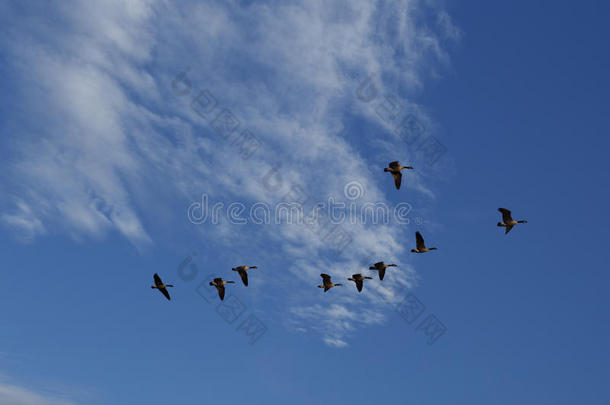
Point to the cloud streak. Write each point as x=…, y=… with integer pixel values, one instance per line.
x=16, y=395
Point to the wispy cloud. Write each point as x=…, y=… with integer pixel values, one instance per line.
x=17, y=395
x=24, y=221
x=101, y=134
x=449, y=30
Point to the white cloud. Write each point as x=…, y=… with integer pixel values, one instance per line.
x=24, y=221
x=335, y=342
x=103, y=135
x=448, y=28
x=15, y=395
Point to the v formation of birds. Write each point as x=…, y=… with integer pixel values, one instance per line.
x=420, y=247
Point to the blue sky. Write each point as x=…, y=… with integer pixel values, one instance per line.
x=102, y=158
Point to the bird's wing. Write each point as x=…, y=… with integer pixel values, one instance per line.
x=217, y=280
x=419, y=241
x=381, y=274
x=221, y=291
x=165, y=292
x=325, y=278
x=378, y=264
x=326, y=287
x=393, y=165
x=397, y=179
x=506, y=215
x=158, y=281
x=359, y=284
x=244, y=277
x=508, y=228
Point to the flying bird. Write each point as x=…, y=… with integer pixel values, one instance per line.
x=219, y=283
x=242, y=272
x=421, y=246
x=508, y=221
x=160, y=286
x=380, y=267
x=359, y=279
x=395, y=169
x=326, y=283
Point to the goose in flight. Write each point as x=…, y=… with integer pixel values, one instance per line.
x=359, y=279
x=380, y=267
x=219, y=283
x=395, y=169
x=160, y=286
x=421, y=246
x=508, y=221
x=242, y=272
x=326, y=283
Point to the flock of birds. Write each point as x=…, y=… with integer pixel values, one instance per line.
x=420, y=247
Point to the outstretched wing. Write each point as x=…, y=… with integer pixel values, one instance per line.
x=325, y=278
x=378, y=265
x=221, y=291
x=419, y=241
x=393, y=165
x=244, y=277
x=397, y=179
x=165, y=292
x=508, y=228
x=326, y=287
x=381, y=273
x=359, y=284
x=506, y=215
x=217, y=280
x=158, y=281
